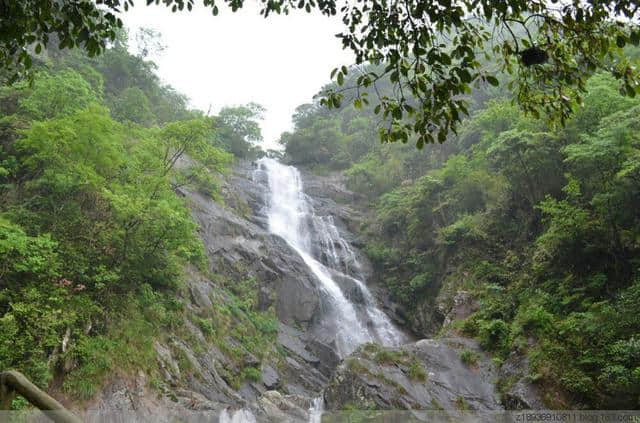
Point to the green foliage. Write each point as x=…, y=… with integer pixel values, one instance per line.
x=386, y=356
x=470, y=358
x=26, y=257
x=133, y=105
x=238, y=129
x=416, y=371
x=251, y=373
x=494, y=335
x=241, y=331
x=93, y=236
x=57, y=94
x=206, y=326
x=467, y=229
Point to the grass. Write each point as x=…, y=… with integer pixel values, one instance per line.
x=436, y=405
x=469, y=358
x=252, y=373
x=206, y=326
x=386, y=356
x=248, y=333
x=461, y=404
x=355, y=365
x=127, y=345
x=416, y=371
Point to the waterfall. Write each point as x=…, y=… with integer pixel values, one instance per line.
x=316, y=410
x=237, y=416
x=328, y=256
x=317, y=239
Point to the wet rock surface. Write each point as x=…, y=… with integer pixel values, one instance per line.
x=236, y=246
x=520, y=393
x=428, y=374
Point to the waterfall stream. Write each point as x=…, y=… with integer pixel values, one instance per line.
x=291, y=216
x=328, y=256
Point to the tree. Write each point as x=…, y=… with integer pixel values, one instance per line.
x=431, y=51
x=133, y=105
x=59, y=94
x=238, y=128
x=530, y=160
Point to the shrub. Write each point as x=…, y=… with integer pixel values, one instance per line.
x=494, y=335
x=416, y=370
x=252, y=373
x=206, y=326
x=535, y=319
x=470, y=358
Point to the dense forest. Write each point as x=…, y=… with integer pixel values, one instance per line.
x=94, y=236
x=539, y=224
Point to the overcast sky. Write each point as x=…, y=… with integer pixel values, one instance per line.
x=235, y=58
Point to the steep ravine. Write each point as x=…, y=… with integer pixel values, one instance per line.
x=309, y=367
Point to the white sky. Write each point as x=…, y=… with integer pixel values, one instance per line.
x=235, y=58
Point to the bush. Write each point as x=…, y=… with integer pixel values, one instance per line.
x=470, y=358
x=465, y=230
x=206, y=326
x=252, y=373
x=416, y=370
x=494, y=335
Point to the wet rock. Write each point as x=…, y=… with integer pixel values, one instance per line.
x=292, y=339
x=265, y=299
x=349, y=287
x=330, y=196
x=167, y=364
x=300, y=372
x=462, y=306
x=425, y=375
x=270, y=377
x=520, y=393
x=127, y=399
x=236, y=246
x=328, y=358
x=280, y=408
x=200, y=289
x=239, y=245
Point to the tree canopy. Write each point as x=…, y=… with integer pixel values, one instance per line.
x=433, y=52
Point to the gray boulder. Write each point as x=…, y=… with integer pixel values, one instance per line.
x=519, y=392
x=426, y=375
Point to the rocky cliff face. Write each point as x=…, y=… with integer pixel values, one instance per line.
x=197, y=369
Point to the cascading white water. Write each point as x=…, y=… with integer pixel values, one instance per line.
x=291, y=216
x=316, y=410
x=237, y=416
x=287, y=212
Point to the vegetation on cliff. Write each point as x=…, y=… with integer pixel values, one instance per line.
x=94, y=236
